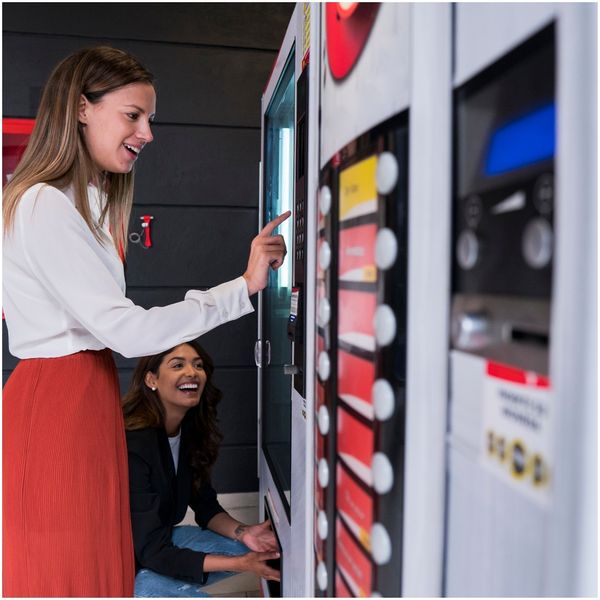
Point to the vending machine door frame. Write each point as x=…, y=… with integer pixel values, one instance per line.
x=293, y=529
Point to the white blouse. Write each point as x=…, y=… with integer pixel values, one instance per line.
x=65, y=292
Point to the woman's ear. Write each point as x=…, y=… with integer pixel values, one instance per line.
x=150, y=380
x=83, y=107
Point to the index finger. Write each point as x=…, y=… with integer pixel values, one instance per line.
x=272, y=225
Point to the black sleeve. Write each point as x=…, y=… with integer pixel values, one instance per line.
x=205, y=505
x=151, y=538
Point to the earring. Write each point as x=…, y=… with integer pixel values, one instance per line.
x=153, y=388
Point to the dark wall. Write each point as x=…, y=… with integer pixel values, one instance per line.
x=199, y=178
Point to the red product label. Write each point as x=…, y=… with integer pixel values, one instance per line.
x=355, y=443
x=357, y=253
x=15, y=137
x=320, y=272
x=319, y=492
x=319, y=543
x=356, y=313
x=509, y=373
x=320, y=445
x=341, y=591
x=352, y=562
x=355, y=382
x=320, y=344
x=355, y=506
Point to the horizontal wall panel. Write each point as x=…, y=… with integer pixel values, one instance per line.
x=210, y=86
x=224, y=24
x=237, y=409
x=200, y=166
x=235, y=470
x=191, y=247
x=8, y=360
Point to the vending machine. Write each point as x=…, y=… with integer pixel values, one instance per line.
x=284, y=350
x=522, y=438
x=361, y=296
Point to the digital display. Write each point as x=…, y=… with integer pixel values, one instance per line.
x=524, y=141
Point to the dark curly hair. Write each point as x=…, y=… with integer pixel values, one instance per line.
x=142, y=408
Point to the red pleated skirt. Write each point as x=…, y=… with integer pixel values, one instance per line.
x=66, y=520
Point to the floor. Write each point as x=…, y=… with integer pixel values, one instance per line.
x=244, y=508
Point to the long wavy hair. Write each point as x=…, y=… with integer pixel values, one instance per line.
x=57, y=154
x=143, y=408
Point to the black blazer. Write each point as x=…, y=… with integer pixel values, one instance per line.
x=159, y=499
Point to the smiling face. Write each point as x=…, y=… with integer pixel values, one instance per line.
x=179, y=382
x=117, y=127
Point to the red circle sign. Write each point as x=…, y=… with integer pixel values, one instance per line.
x=348, y=25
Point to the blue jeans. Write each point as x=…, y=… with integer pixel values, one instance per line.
x=149, y=584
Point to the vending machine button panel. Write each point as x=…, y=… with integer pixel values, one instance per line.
x=386, y=249
x=325, y=200
x=322, y=525
x=537, y=243
x=387, y=172
x=323, y=420
x=383, y=400
x=383, y=473
x=384, y=325
x=381, y=544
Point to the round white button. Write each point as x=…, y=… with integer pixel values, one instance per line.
x=537, y=243
x=323, y=420
x=325, y=200
x=467, y=249
x=381, y=545
x=324, y=256
x=322, y=525
x=324, y=312
x=383, y=474
x=324, y=366
x=384, y=324
x=322, y=576
x=323, y=473
x=387, y=172
x=386, y=249
x=383, y=398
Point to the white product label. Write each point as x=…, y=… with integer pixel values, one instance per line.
x=517, y=429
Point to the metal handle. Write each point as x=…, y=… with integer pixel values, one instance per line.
x=268, y=352
x=258, y=353
x=291, y=369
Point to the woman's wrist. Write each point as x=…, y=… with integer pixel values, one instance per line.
x=219, y=562
x=239, y=531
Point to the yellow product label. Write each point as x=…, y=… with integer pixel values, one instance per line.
x=370, y=274
x=358, y=189
x=306, y=38
x=365, y=538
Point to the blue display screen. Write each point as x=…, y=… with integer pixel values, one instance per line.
x=524, y=141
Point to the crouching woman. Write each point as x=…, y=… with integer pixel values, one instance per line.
x=172, y=441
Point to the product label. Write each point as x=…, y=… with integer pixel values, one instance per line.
x=357, y=254
x=355, y=507
x=355, y=443
x=355, y=382
x=358, y=189
x=353, y=563
x=355, y=320
x=517, y=429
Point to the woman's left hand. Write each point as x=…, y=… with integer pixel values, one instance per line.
x=259, y=538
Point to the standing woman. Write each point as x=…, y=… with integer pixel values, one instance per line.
x=66, y=520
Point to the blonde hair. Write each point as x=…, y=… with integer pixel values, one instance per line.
x=57, y=154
